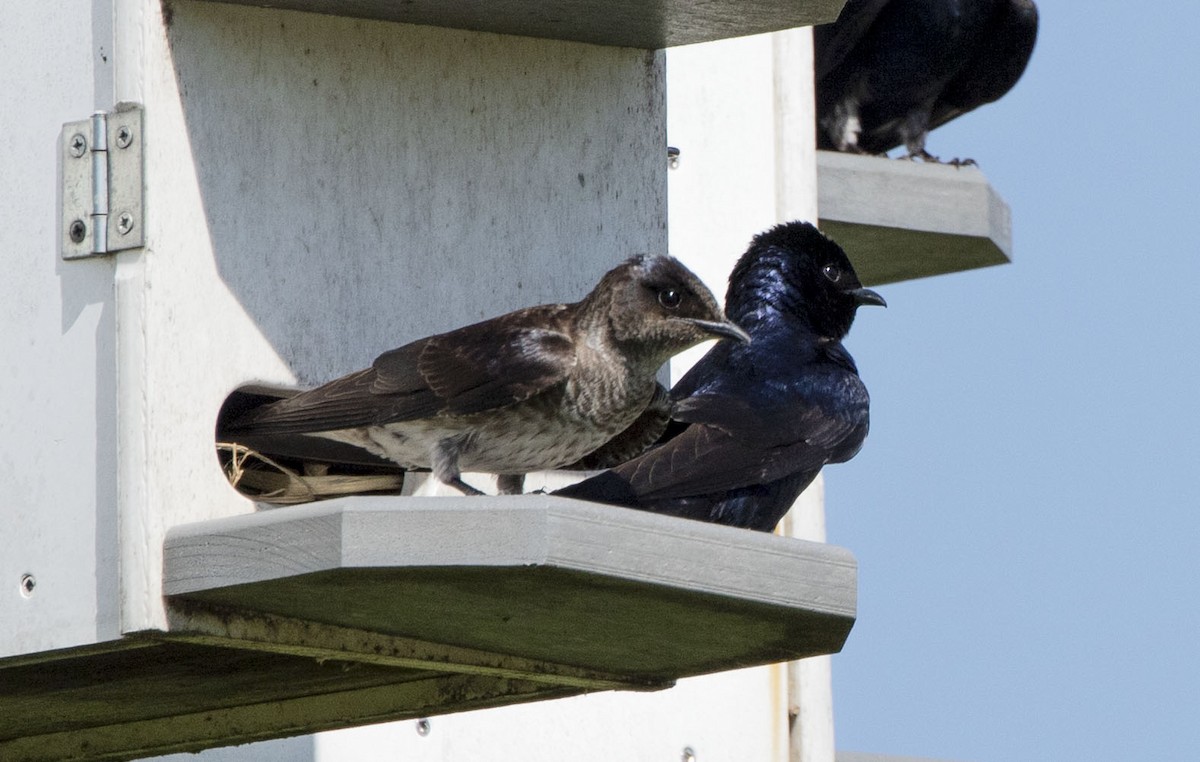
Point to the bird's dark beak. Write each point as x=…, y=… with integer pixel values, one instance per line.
x=866, y=296
x=721, y=330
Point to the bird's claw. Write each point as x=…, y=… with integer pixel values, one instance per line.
x=929, y=158
x=463, y=487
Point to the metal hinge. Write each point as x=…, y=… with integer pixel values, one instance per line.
x=102, y=183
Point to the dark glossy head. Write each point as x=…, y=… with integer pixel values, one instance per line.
x=658, y=302
x=794, y=270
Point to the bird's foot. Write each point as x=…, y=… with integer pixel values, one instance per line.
x=929, y=158
x=923, y=155
x=458, y=484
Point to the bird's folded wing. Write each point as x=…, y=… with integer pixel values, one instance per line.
x=996, y=67
x=833, y=42
x=731, y=444
x=344, y=403
x=477, y=368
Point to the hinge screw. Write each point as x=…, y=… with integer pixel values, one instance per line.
x=689, y=754
x=77, y=231
x=125, y=223
x=124, y=137
x=423, y=727
x=28, y=583
x=78, y=145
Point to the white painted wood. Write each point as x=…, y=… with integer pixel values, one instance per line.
x=810, y=681
x=625, y=23
x=900, y=220
x=938, y=198
x=522, y=531
x=323, y=189
x=723, y=717
x=57, y=384
x=740, y=113
x=745, y=131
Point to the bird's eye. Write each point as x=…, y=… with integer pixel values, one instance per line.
x=669, y=298
x=833, y=272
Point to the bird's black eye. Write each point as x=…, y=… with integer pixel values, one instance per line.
x=670, y=298
x=833, y=272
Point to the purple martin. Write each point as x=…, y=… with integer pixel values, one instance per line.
x=535, y=389
x=754, y=423
x=889, y=71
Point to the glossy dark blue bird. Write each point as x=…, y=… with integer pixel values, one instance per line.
x=889, y=71
x=754, y=423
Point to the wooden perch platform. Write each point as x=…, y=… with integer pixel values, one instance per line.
x=624, y=23
x=900, y=220
x=377, y=608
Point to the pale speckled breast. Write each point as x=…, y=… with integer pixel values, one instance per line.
x=546, y=432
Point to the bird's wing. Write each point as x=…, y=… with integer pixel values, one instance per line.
x=344, y=403
x=832, y=43
x=1004, y=51
x=471, y=371
x=479, y=367
x=731, y=443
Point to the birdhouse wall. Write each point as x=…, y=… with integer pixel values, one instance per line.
x=57, y=374
x=318, y=190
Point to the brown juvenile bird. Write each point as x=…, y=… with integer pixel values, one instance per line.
x=535, y=389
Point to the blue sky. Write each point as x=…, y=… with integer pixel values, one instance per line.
x=1025, y=512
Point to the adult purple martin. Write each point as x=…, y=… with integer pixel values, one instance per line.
x=531, y=390
x=754, y=423
x=889, y=71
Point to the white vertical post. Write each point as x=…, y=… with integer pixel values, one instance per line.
x=741, y=113
x=810, y=681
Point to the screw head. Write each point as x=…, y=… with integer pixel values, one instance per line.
x=125, y=223
x=423, y=727
x=689, y=754
x=673, y=154
x=78, y=145
x=28, y=583
x=77, y=231
x=124, y=136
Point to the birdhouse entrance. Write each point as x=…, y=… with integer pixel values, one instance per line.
x=298, y=469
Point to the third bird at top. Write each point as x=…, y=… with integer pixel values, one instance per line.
x=889, y=71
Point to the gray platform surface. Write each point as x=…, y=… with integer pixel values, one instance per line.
x=647, y=24
x=365, y=609
x=899, y=220
x=556, y=580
